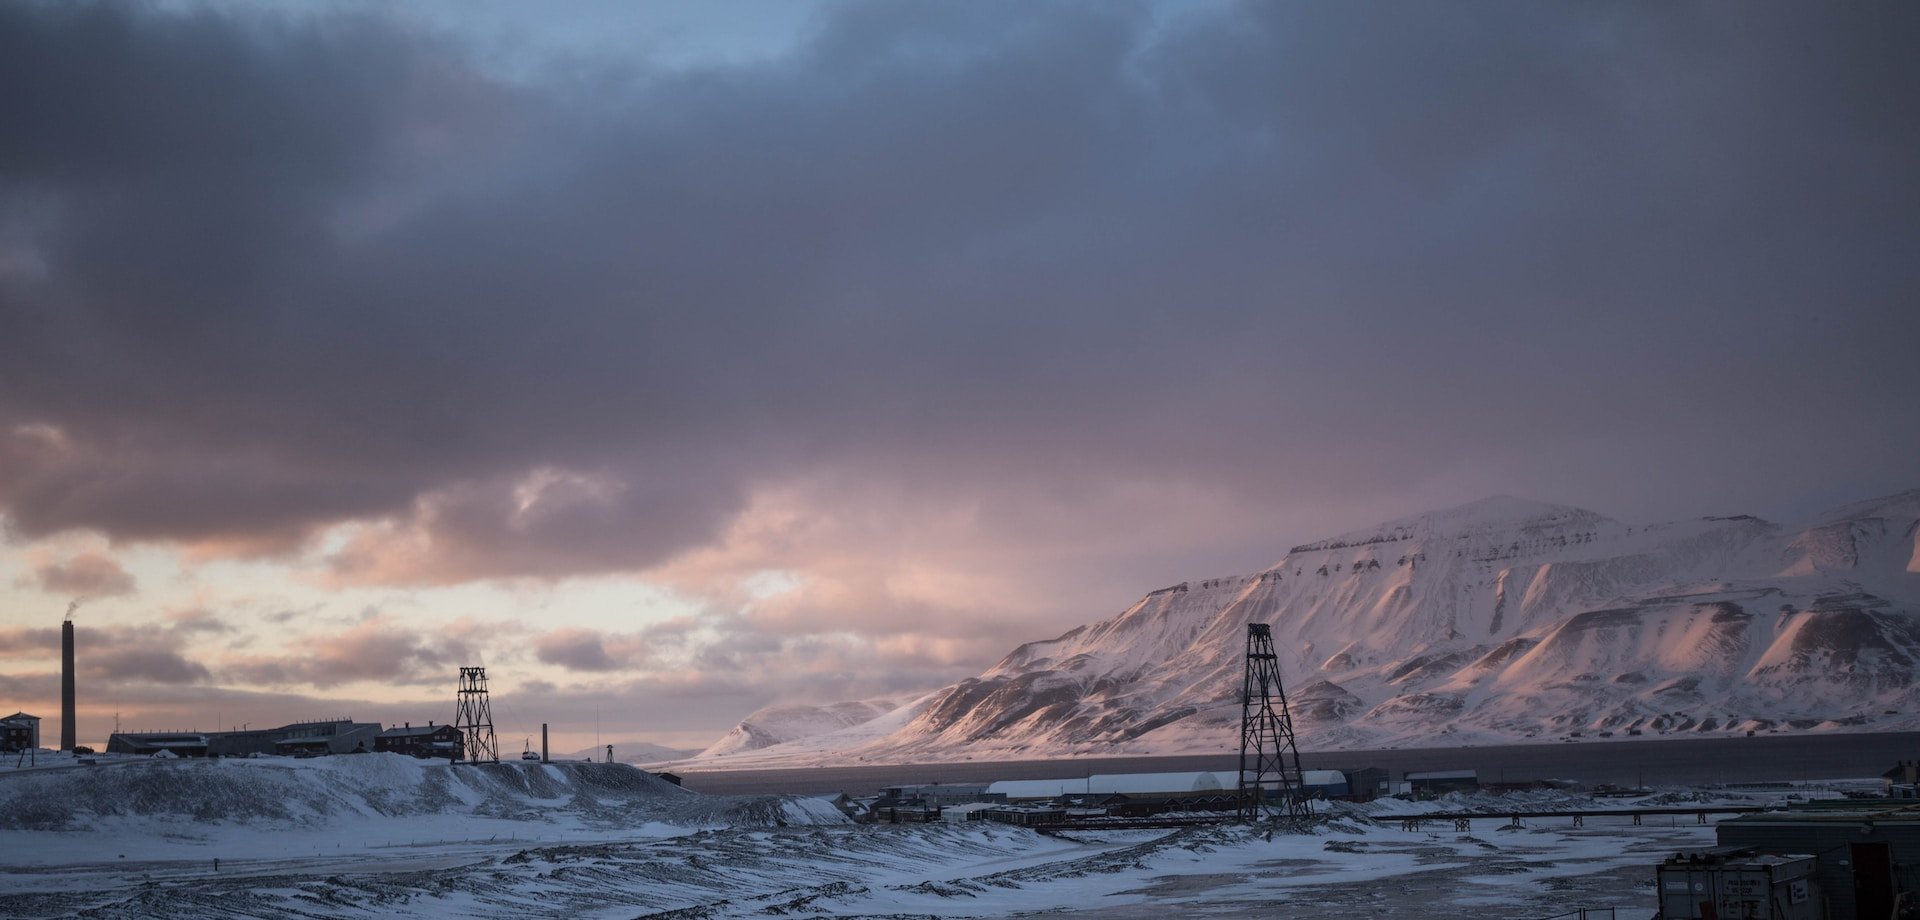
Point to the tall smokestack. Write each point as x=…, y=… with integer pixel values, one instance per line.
x=66, y=682
x=543, y=742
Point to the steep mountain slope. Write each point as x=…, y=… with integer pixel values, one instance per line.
x=1501, y=619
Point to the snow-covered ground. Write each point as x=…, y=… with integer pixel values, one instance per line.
x=1335, y=868
x=383, y=836
x=139, y=809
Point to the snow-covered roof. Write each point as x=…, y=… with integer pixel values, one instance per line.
x=19, y=716
x=1322, y=778
x=1142, y=783
x=955, y=788
x=1037, y=788
x=968, y=808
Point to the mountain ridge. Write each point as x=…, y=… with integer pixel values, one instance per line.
x=1498, y=620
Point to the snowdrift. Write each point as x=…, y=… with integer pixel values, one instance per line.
x=282, y=794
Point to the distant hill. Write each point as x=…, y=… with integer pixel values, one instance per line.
x=635, y=752
x=781, y=723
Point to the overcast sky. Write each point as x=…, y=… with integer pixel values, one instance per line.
x=675, y=358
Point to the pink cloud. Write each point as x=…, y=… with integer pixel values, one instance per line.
x=115, y=656
x=374, y=649
x=88, y=574
x=575, y=649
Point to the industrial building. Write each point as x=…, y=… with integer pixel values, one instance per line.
x=316, y=738
x=1101, y=785
x=1866, y=855
x=19, y=732
x=429, y=740
x=1903, y=781
x=147, y=744
x=1739, y=882
x=938, y=795
x=1368, y=783
x=920, y=803
x=340, y=736
x=1123, y=805
x=1440, y=782
x=1324, y=784
x=1119, y=795
x=1025, y=815
x=972, y=811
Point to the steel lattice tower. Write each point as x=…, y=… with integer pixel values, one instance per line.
x=474, y=717
x=1269, y=759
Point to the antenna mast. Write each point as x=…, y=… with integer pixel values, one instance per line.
x=1269, y=758
x=474, y=717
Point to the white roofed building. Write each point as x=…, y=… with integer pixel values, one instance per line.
x=1101, y=785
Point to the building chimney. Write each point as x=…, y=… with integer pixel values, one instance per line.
x=66, y=683
x=543, y=742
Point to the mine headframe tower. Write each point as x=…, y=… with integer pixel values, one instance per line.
x=474, y=718
x=1270, y=777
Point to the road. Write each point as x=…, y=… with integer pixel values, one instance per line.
x=1689, y=761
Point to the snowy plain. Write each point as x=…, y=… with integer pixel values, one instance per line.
x=382, y=835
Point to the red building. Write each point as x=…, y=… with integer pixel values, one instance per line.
x=427, y=740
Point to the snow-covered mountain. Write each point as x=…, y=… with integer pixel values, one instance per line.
x=1498, y=620
x=779, y=724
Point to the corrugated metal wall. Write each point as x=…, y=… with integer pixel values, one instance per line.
x=1831, y=842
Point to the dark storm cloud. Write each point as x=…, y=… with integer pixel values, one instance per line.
x=373, y=649
x=199, y=620
x=259, y=275
x=114, y=656
x=144, y=664
x=84, y=575
x=576, y=649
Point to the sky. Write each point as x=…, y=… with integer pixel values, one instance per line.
x=673, y=359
